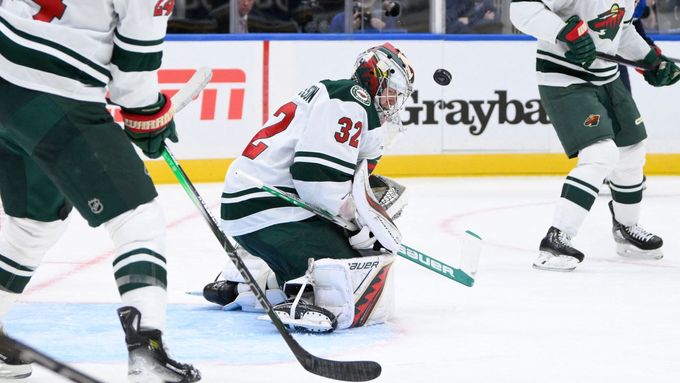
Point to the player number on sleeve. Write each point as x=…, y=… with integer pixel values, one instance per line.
x=163, y=7
x=345, y=133
x=49, y=10
x=256, y=147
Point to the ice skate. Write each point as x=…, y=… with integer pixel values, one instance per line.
x=556, y=252
x=148, y=360
x=305, y=317
x=634, y=241
x=11, y=367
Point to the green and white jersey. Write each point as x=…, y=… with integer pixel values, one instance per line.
x=76, y=48
x=609, y=24
x=309, y=147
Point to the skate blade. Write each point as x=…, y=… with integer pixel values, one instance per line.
x=630, y=251
x=550, y=262
x=15, y=371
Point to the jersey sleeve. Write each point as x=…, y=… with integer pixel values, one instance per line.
x=536, y=18
x=326, y=154
x=138, y=50
x=632, y=46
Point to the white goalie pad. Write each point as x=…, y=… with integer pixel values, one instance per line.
x=371, y=214
x=358, y=291
x=265, y=278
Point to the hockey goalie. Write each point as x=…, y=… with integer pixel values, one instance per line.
x=322, y=146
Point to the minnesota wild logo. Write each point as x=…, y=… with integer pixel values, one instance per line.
x=607, y=24
x=592, y=120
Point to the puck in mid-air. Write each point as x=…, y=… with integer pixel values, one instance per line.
x=442, y=77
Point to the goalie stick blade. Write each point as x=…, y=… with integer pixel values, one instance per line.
x=359, y=371
x=11, y=347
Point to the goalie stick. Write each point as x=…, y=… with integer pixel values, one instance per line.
x=469, y=255
x=353, y=371
x=11, y=347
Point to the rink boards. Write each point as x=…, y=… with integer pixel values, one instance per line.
x=488, y=121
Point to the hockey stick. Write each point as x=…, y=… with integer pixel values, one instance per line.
x=353, y=371
x=621, y=60
x=12, y=348
x=469, y=254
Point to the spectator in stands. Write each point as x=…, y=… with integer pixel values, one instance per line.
x=369, y=16
x=210, y=16
x=472, y=16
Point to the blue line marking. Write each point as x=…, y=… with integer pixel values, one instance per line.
x=195, y=333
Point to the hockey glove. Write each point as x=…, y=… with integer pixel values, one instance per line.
x=666, y=72
x=149, y=126
x=580, y=44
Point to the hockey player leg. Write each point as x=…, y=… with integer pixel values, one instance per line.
x=579, y=192
x=140, y=272
x=627, y=185
x=23, y=243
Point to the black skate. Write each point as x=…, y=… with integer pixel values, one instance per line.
x=556, y=252
x=634, y=241
x=148, y=360
x=221, y=292
x=11, y=367
x=305, y=317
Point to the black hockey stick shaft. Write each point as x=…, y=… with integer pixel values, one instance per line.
x=352, y=371
x=621, y=60
x=17, y=350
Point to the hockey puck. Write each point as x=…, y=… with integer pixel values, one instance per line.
x=442, y=77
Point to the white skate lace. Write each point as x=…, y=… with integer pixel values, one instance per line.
x=639, y=233
x=563, y=239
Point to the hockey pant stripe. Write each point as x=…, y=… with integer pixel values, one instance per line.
x=579, y=192
x=140, y=268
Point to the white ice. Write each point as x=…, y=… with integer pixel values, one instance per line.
x=611, y=319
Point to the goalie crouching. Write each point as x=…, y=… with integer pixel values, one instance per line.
x=321, y=146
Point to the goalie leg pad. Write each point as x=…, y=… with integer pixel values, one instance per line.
x=358, y=291
x=242, y=297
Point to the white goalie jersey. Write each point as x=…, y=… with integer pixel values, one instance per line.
x=75, y=48
x=609, y=24
x=309, y=147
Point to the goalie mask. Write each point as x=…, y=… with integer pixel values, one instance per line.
x=385, y=72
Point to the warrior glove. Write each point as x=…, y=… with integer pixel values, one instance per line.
x=665, y=71
x=149, y=126
x=580, y=44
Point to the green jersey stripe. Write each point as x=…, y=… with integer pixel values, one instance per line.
x=31, y=58
x=312, y=172
x=546, y=66
x=12, y=283
x=562, y=59
x=38, y=40
x=142, y=43
x=241, y=193
x=327, y=158
x=128, y=61
x=238, y=210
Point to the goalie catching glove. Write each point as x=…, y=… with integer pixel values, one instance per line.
x=149, y=126
x=376, y=228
